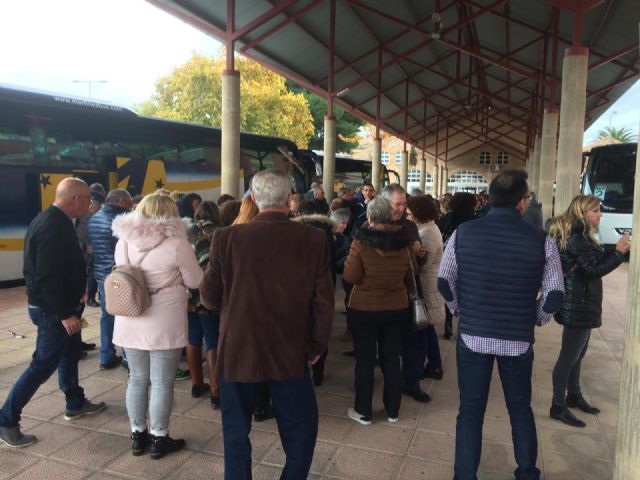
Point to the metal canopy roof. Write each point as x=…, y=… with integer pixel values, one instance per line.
x=480, y=74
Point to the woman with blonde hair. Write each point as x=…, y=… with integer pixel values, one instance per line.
x=584, y=263
x=248, y=210
x=154, y=238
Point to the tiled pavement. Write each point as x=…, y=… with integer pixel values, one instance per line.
x=421, y=445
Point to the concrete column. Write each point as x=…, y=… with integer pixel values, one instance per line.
x=445, y=180
x=627, y=458
x=404, y=169
x=329, y=163
x=534, y=179
x=571, y=133
x=423, y=173
x=230, y=143
x=547, y=170
x=376, y=167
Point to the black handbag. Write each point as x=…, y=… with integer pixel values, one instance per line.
x=419, y=314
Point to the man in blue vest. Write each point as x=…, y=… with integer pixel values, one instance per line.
x=503, y=276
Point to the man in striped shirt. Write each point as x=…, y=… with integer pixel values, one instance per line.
x=503, y=277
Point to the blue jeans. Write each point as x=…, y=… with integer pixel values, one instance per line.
x=296, y=411
x=107, y=348
x=205, y=325
x=474, y=379
x=55, y=349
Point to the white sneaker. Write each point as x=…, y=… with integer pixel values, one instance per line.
x=356, y=417
x=392, y=419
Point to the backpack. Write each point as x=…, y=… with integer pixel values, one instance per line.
x=125, y=291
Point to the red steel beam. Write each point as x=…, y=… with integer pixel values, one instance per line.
x=614, y=55
x=279, y=26
x=332, y=51
x=416, y=47
x=560, y=37
x=229, y=40
x=262, y=19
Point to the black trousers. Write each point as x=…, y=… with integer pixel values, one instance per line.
x=381, y=331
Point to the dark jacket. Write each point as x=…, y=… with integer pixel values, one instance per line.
x=185, y=208
x=54, y=267
x=501, y=260
x=584, y=265
x=534, y=214
x=102, y=240
x=200, y=236
x=319, y=206
x=270, y=280
x=378, y=268
x=450, y=221
x=324, y=223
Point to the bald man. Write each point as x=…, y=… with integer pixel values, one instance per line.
x=55, y=274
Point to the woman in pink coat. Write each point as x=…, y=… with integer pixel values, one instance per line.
x=155, y=237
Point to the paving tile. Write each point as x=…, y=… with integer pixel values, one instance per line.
x=14, y=461
x=576, y=442
x=45, y=407
x=195, y=431
x=433, y=446
x=53, y=437
x=355, y=464
x=381, y=437
x=144, y=467
x=54, y=470
x=334, y=428
x=565, y=467
x=322, y=454
x=413, y=469
x=95, y=449
x=261, y=443
x=497, y=457
x=443, y=421
x=200, y=466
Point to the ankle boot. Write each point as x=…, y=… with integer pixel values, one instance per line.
x=212, y=356
x=578, y=401
x=562, y=413
x=161, y=446
x=194, y=360
x=140, y=443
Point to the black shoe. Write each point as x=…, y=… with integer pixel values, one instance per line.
x=115, y=361
x=262, y=415
x=88, y=346
x=83, y=355
x=557, y=412
x=160, y=446
x=215, y=403
x=578, y=401
x=140, y=443
x=419, y=396
x=198, y=390
x=350, y=353
x=92, y=303
x=434, y=374
x=317, y=380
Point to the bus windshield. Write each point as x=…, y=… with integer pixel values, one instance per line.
x=610, y=177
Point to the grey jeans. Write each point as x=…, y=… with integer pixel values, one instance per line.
x=158, y=368
x=566, y=373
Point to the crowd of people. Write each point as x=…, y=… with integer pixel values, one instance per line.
x=218, y=274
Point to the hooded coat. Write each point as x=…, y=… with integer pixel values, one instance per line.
x=169, y=264
x=378, y=268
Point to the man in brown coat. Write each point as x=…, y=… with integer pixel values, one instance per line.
x=270, y=279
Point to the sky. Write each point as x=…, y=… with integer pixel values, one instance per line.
x=47, y=45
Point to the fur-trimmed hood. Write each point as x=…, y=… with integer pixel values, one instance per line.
x=318, y=221
x=147, y=233
x=385, y=237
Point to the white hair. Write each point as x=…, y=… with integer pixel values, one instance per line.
x=271, y=189
x=379, y=210
x=342, y=215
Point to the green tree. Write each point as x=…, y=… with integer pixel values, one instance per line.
x=623, y=135
x=347, y=125
x=193, y=93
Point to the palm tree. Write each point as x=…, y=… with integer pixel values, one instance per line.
x=623, y=135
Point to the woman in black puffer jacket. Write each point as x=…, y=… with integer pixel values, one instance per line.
x=584, y=263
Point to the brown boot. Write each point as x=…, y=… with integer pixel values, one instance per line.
x=194, y=360
x=212, y=355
